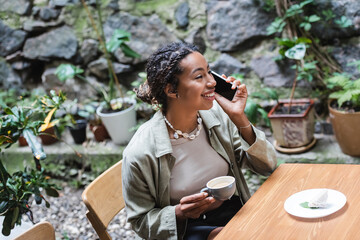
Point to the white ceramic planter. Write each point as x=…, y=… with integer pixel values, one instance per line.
x=118, y=124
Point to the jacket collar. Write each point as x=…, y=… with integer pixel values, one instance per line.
x=161, y=135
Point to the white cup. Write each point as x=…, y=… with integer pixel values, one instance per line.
x=221, y=188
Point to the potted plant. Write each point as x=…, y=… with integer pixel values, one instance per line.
x=293, y=121
x=17, y=188
x=53, y=126
x=117, y=114
x=88, y=112
x=344, y=111
x=76, y=123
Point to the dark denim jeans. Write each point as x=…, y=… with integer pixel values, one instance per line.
x=200, y=228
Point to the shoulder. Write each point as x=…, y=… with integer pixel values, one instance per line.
x=147, y=140
x=141, y=141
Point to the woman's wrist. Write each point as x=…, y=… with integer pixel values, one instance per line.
x=240, y=121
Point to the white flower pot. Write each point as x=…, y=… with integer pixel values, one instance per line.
x=118, y=124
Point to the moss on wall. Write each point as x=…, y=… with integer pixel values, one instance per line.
x=76, y=16
x=12, y=20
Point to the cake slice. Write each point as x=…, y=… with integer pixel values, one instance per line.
x=319, y=200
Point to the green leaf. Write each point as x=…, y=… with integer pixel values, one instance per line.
x=128, y=51
x=251, y=111
x=117, y=39
x=343, y=22
x=15, y=216
x=306, y=205
x=35, y=145
x=303, y=40
x=303, y=3
x=8, y=111
x=7, y=225
x=52, y=192
x=286, y=42
x=47, y=204
x=264, y=115
x=4, y=175
x=307, y=26
x=271, y=93
x=314, y=18
x=3, y=207
x=67, y=71
x=277, y=26
x=297, y=52
x=345, y=97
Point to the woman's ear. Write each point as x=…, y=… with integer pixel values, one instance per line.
x=170, y=92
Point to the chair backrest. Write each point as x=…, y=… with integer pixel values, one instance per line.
x=40, y=231
x=104, y=200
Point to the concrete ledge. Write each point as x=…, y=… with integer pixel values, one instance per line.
x=91, y=156
x=326, y=150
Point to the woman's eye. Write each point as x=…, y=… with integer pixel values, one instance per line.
x=198, y=77
x=209, y=72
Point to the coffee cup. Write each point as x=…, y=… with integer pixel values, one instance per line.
x=221, y=188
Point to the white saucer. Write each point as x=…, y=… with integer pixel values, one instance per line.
x=336, y=200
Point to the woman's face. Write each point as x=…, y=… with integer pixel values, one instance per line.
x=196, y=85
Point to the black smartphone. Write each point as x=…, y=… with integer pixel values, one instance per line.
x=222, y=87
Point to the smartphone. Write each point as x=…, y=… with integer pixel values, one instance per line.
x=222, y=87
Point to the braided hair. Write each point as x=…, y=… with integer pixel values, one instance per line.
x=163, y=67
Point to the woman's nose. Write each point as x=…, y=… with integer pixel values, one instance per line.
x=211, y=82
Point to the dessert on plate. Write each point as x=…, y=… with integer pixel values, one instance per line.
x=319, y=199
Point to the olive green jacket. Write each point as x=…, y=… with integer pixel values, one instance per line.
x=147, y=164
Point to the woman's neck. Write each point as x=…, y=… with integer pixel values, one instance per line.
x=184, y=121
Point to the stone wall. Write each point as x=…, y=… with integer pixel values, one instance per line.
x=37, y=35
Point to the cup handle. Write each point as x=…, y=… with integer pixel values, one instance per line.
x=205, y=189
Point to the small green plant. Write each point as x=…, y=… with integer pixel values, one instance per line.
x=254, y=111
x=343, y=22
x=17, y=188
x=345, y=89
x=293, y=12
x=49, y=105
x=328, y=15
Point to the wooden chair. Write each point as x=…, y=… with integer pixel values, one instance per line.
x=103, y=199
x=40, y=231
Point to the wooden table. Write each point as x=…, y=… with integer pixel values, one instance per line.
x=264, y=217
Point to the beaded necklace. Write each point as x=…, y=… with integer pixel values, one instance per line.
x=179, y=133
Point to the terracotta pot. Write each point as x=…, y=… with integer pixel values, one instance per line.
x=22, y=142
x=293, y=130
x=46, y=139
x=347, y=130
x=100, y=132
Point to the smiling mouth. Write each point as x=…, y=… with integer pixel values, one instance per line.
x=208, y=95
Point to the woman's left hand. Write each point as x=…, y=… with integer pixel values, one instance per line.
x=236, y=107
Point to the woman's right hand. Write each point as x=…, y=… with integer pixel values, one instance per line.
x=193, y=206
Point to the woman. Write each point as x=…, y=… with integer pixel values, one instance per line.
x=191, y=140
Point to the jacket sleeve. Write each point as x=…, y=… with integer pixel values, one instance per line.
x=147, y=219
x=260, y=157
